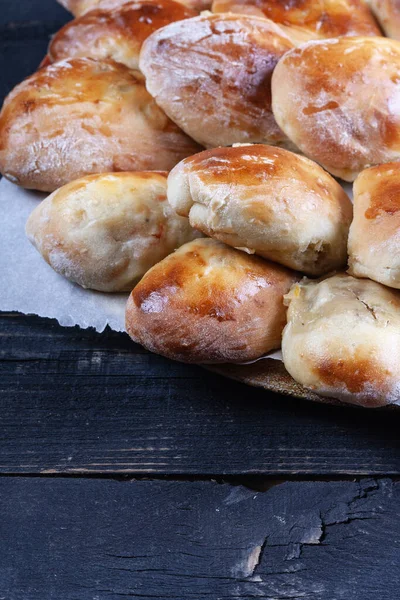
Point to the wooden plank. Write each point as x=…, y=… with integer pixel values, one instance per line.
x=73, y=401
x=25, y=11
x=73, y=539
x=25, y=30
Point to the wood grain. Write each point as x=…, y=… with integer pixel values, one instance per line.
x=105, y=540
x=25, y=30
x=74, y=401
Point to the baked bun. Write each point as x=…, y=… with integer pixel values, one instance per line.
x=374, y=239
x=343, y=340
x=212, y=76
x=117, y=34
x=308, y=19
x=105, y=231
x=82, y=116
x=338, y=101
x=81, y=7
x=266, y=200
x=208, y=303
x=388, y=14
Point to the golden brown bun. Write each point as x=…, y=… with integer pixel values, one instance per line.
x=342, y=340
x=374, y=239
x=338, y=101
x=212, y=76
x=105, y=231
x=266, y=200
x=116, y=34
x=82, y=116
x=208, y=303
x=81, y=7
x=388, y=14
x=308, y=19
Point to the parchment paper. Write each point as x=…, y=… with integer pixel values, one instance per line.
x=30, y=286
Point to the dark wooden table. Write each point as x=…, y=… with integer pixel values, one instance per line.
x=123, y=474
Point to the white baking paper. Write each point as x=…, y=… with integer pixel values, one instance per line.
x=30, y=286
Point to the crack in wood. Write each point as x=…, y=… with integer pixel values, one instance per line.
x=175, y=539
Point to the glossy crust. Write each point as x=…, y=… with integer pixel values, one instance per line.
x=208, y=303
x=374, y=239
x=346, y=118
x=388, y=14
x=116, y=34
x=212, y=76
x=308, y=19
x=82, y=116
x=342, y=340
x=105, y=231
x=265, y=200
x=81, y=7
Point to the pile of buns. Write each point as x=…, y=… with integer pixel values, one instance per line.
x=191, y=161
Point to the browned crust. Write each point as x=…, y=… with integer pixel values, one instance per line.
x=364, y=128
x=327, y=18
x=82, y=116
x=82, y=7
x=234, y=313
x=128, y=25
x=235, y=55
x=232, y=164
x=384, y=190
